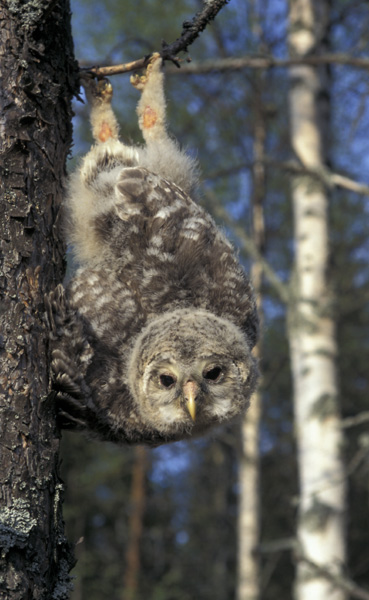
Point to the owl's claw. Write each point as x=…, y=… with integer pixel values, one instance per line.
x=98, y=92
x=154, y=64
x=104, y=90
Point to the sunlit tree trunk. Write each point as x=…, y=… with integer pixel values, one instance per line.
x=249, y=471
x=321, y=531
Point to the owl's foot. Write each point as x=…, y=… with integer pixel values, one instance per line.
x=151, y=106
x=103, y=121
x=104, y=91
x=154, y=65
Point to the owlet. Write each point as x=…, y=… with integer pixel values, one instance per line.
x=151, y=340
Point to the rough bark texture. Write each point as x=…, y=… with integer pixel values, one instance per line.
x=38, y=78
x=321, y=531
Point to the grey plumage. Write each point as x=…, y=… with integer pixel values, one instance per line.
x=151, y=341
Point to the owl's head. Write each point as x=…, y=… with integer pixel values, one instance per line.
x=190, y=369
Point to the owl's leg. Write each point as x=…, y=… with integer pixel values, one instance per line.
x=103, y=120
x=108, y=152
x=151, y=106
x=162, y=154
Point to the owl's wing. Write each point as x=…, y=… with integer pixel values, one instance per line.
x=70, y=356
x=139, y=191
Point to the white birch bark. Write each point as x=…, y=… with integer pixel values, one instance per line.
x=321, y=531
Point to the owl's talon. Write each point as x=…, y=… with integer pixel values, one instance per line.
x=138, y=81
x=154, y=64
x=99, y=92
x=68, y=421
x=104, y=90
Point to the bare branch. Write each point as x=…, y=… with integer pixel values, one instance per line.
x=268, y=62
x=191, y=30
x=277, y=545
x=337, y=580
x=362, y=417
x=325, y=175
x=349, y=184
x=135, y=65
x=231, y=64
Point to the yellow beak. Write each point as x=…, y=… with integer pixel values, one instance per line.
x=190, y=392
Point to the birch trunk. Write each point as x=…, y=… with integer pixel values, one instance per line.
x=249, y=476
x=321, y=531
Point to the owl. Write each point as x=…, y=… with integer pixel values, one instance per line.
x=151, y=340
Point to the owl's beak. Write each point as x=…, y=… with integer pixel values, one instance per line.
x=190, y=392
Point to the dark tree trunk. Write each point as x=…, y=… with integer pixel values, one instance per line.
x=39, y=77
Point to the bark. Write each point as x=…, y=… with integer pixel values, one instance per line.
x=321, y=530
x=38, y=79
x=249, y=477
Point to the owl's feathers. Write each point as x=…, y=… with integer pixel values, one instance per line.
x=151, y=340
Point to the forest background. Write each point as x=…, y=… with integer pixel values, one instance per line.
x=165, y=524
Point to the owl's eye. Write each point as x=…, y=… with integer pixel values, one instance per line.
x=213, y=374
x=167, y=381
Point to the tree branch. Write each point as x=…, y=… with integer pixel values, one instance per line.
x=357, y=420
x=268, y=62
x=337, y=580
x=228, y=64
x=325, y=175
x=277, y=545
x=108, y=71
x=191, y=30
